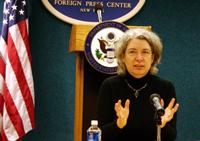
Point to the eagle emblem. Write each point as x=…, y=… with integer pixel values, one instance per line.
x=107, y=47
x=100, y=46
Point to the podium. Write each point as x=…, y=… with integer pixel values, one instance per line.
x=87, y=81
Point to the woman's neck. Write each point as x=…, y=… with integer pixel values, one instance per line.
x=137, y=82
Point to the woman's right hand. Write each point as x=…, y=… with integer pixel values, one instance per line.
x=169, y=111
x=122, y=113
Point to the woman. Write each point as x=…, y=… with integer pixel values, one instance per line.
x=124, y=111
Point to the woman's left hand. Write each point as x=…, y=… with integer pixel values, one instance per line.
x=169, y=112
x=122, y=113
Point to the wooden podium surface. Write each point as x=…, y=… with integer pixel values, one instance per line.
x=77, y=44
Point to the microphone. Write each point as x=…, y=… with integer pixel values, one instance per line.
x=155, y=101
x=98, y=10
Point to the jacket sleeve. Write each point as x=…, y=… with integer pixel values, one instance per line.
x=169, y=132
x=106, y=114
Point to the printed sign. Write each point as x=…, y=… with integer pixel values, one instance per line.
x=100, y=46
x=83, y=11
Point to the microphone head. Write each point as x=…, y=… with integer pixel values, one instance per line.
x=98, y=6
x=153, y=96
x=154, y=100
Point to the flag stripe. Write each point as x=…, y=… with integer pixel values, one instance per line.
x=2, y=76
x=2, y=70
x=21, y=49
x=1, y=111
x=3, y=135
x=8, y=128
x=3, y=51
x=1, y=105
x=20, y=78
x=24, y=33
x=1, y=126
x=13, y=113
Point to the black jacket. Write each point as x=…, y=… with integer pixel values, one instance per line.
x=141, y=124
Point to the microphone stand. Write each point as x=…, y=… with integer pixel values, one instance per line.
x=99, y=15
x=157, y=119
x=98, y=10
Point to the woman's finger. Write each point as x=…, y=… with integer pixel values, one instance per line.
x=127, y=103
x=175, y=108
x=171, y=104
x=162, y=102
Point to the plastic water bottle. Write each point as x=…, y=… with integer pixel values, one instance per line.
x=94, y=132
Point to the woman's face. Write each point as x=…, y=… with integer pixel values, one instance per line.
x=138, y=58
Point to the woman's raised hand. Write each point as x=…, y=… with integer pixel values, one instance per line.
x=169, y=111
x=122, y=113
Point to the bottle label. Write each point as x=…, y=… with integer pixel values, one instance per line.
x=93, y=136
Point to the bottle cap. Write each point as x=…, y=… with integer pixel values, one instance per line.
x=94, y=122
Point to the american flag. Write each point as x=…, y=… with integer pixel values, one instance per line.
x=16, y=80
